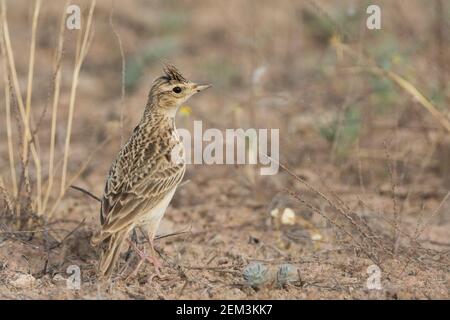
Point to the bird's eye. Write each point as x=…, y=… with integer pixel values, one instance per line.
x=177, y=89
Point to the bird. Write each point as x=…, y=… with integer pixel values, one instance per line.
x=144, y=175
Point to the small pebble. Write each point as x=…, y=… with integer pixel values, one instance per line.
x=24, y=281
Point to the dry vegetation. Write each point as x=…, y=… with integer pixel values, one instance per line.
x=364, y=122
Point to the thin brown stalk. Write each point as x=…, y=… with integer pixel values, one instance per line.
x=31, y=71
x=423, y=165
x=416, y=94
x=75, y=78
x=12, y=164
x=29, y=95
x=401, y=82
x=15, y=82
x=343, y=207
x=86, y=192
x=56, y=94
x=360, y=175
x=384, y=218
x=331, y=203
x=434, y=213
x=366, y=249
x=397, y=217
x=347, y=216
x=5, y=195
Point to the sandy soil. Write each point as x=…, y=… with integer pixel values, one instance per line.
x=397, y=164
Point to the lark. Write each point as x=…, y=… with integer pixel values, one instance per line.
x=145, y=174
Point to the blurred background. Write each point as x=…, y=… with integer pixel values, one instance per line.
x=309, y=68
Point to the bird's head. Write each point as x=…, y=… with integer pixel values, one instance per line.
x=171, y=90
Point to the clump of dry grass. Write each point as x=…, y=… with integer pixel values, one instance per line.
x=356, y=229
x=30, y=197
x=403, y=83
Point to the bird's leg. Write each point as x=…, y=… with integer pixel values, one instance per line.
x=155, y=261
x=140, y=254
x=151, y=259
x=134, y=238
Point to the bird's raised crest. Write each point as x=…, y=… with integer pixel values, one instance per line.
x=173, y=73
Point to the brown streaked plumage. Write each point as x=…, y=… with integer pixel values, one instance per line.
x=143, y=177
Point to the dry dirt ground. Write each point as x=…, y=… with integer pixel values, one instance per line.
x=372, y=194
x=228, y=229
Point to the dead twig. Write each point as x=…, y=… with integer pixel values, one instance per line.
x=93, y=196
x=68, y=235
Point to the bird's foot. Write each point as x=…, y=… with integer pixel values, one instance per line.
x=152, y=259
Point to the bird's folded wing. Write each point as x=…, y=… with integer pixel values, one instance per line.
x=126, y=203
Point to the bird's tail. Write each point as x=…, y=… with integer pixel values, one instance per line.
x=110, y=248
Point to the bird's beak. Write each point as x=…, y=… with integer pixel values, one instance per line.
x=201, y=87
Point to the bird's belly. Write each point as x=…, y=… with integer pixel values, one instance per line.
x=152, y=218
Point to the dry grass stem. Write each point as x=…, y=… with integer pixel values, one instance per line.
x=5, y=196
x=12, y=164
x=399, y=80
x=78, y=63
x=31, y=72
x=55, y=105
x=26, y=125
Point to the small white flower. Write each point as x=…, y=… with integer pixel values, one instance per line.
x=288, y=217
x=258, y=74
x=275, y=213
x=316, y=237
